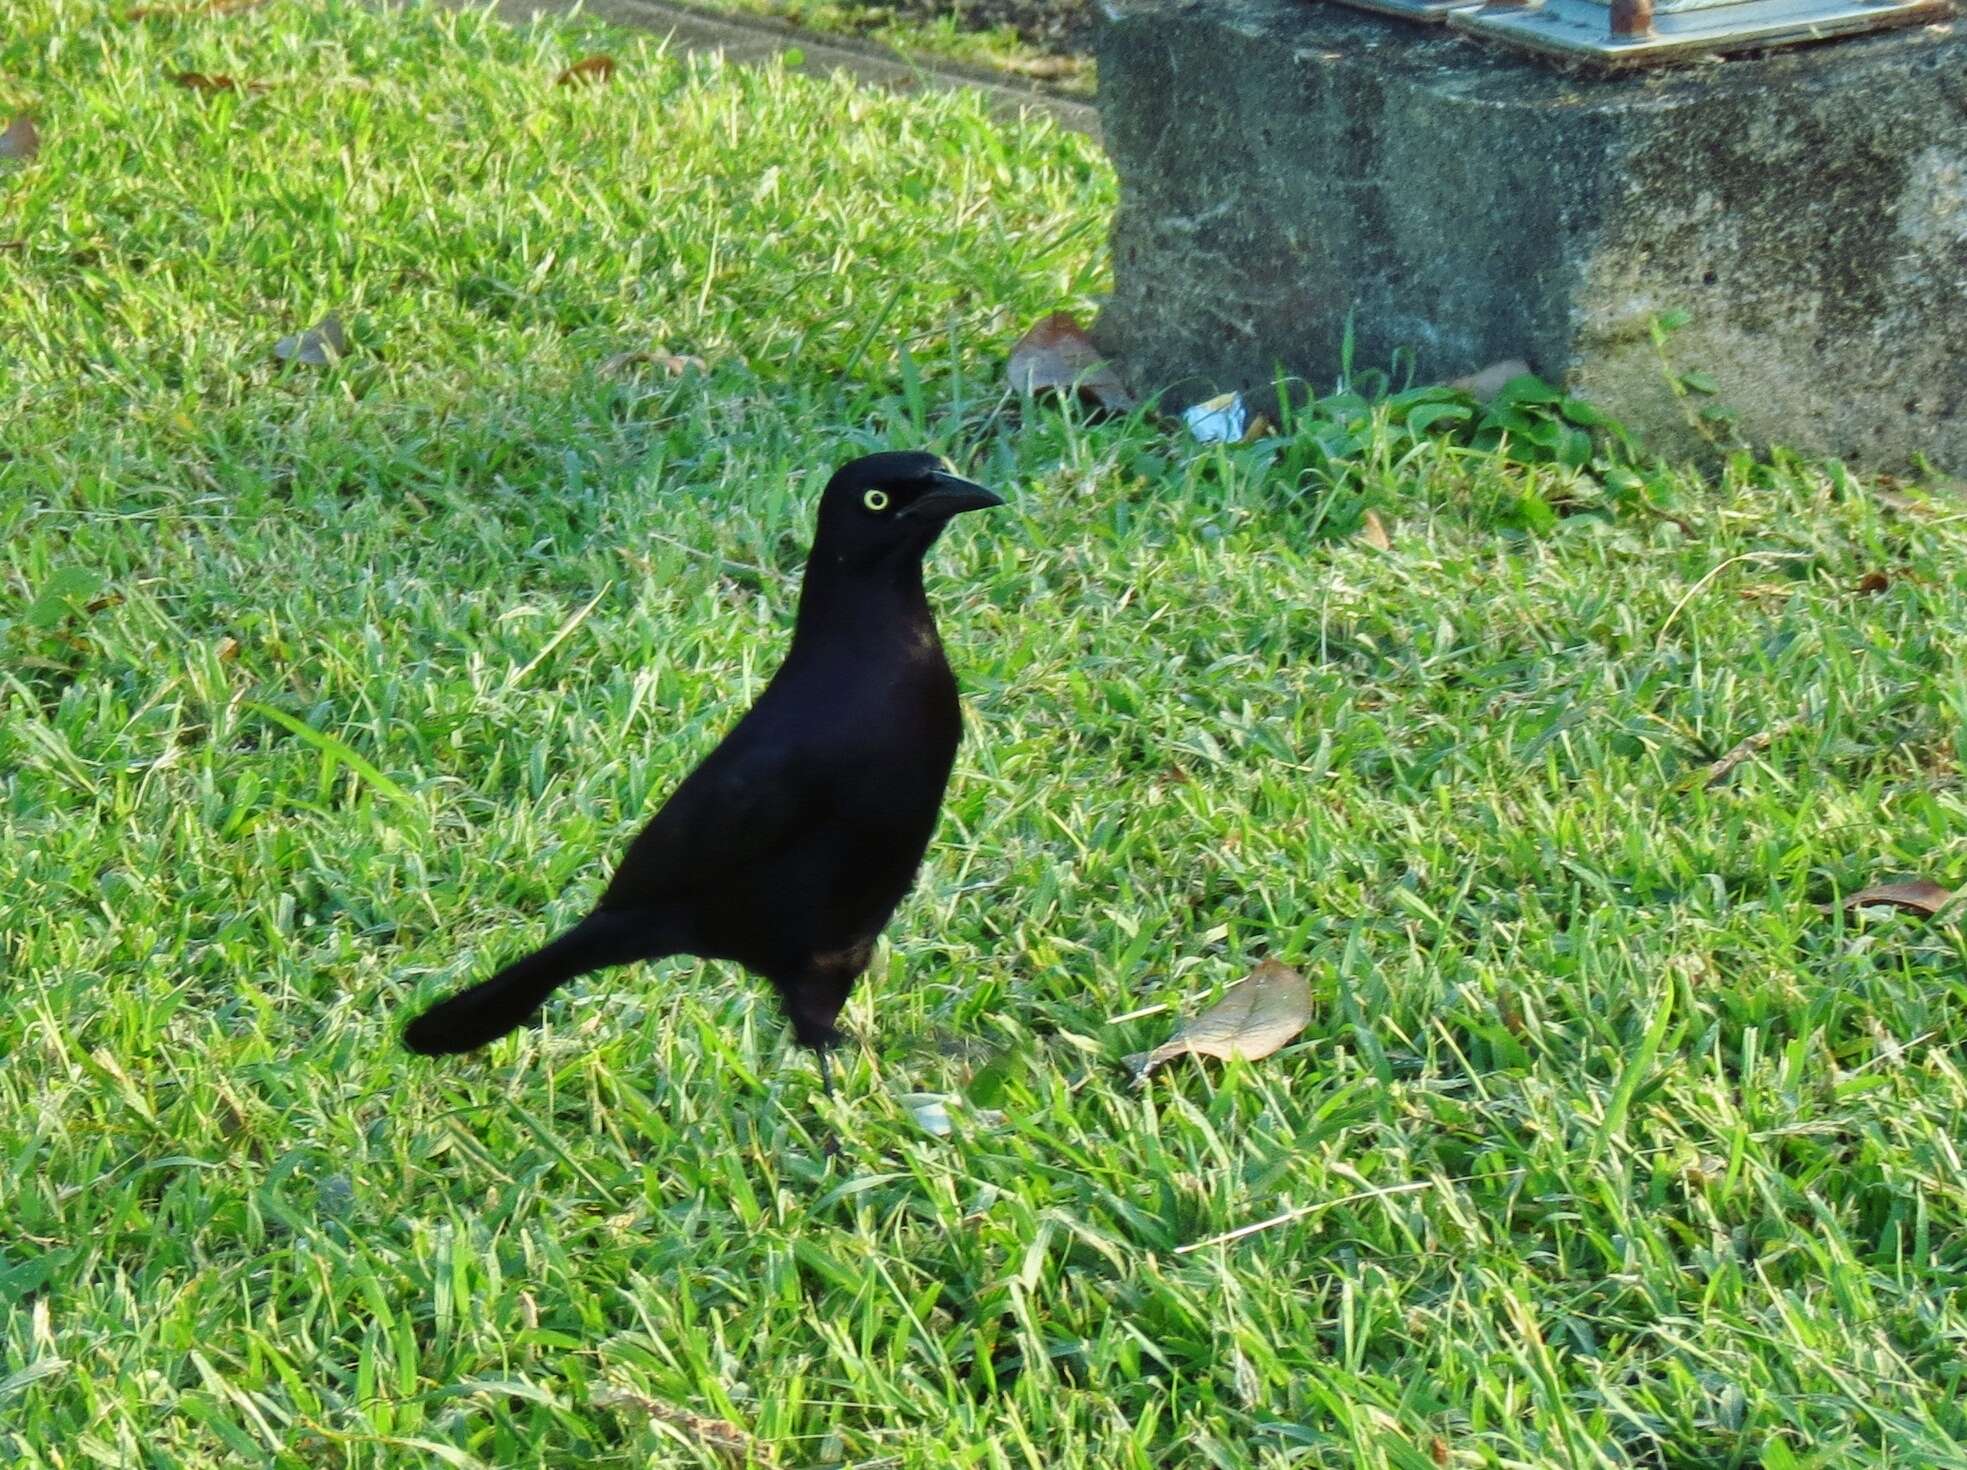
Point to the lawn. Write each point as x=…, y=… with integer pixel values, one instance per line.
x=1614, y=1140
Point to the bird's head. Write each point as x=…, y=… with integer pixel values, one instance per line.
x=885, y=506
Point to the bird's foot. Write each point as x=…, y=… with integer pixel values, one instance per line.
x=830, y=1147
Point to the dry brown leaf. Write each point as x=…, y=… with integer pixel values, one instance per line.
x=669, y=364
x=21, y=139
x=1915, y=895
x=713, y=1434
x=1254, y=1019
x=1873, y=582
x=1754, y=745
x=318, y=346
x=209, y=83
x=1044, y=68
x=1485, y=383
x=1259, y=428
x=1057, y=356
x=1758, y=591
x=1907, y=505
x=1372, y=530
x=587, y=69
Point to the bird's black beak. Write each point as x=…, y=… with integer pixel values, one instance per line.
x=949, y=495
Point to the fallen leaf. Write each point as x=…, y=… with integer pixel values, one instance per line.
x=1915, y=895
x=1485, y=383
x=1259, y=428
x=713, y=1434
x=209, y=83
x=1044, y=68
x=1259, y=1015
x=318, y=346
x=670, y=364
x=1873, y=582
x=1057, y=356
x=1755, y=744
x=1911, y=505
x=1372, y=530
x=587, y=69
x=21, y=139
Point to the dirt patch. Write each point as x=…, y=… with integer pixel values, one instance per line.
x=1048, y=41
x=1056, y=27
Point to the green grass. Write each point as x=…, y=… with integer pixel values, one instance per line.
x=325, y=690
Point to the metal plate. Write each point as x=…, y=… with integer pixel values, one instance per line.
x=1424, y=10
x=1582, y=28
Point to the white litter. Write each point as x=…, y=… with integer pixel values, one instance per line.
x=1221, y=420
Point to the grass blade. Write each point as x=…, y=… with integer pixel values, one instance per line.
x=335, y=749
x=1636, y=1070
x=564, y=632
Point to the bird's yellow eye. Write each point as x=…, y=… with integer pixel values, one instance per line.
x=875, y=500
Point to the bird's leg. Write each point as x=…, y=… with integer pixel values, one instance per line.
x=813, y=997
x=830, y=1148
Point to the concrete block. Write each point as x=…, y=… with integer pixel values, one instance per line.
x=1288, y=167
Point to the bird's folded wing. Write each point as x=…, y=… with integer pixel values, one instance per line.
x=738, y=807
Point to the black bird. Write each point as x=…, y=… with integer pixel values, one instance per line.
x=789, y=848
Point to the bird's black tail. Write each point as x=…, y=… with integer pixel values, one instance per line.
x=493, y=1007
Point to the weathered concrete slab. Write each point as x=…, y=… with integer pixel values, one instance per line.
x=1287, y=167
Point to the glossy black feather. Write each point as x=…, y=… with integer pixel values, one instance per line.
x=789, y=847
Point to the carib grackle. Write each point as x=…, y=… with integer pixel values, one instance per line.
x=789, y=848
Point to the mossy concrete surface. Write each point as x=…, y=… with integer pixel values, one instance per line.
x=1292, y=170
